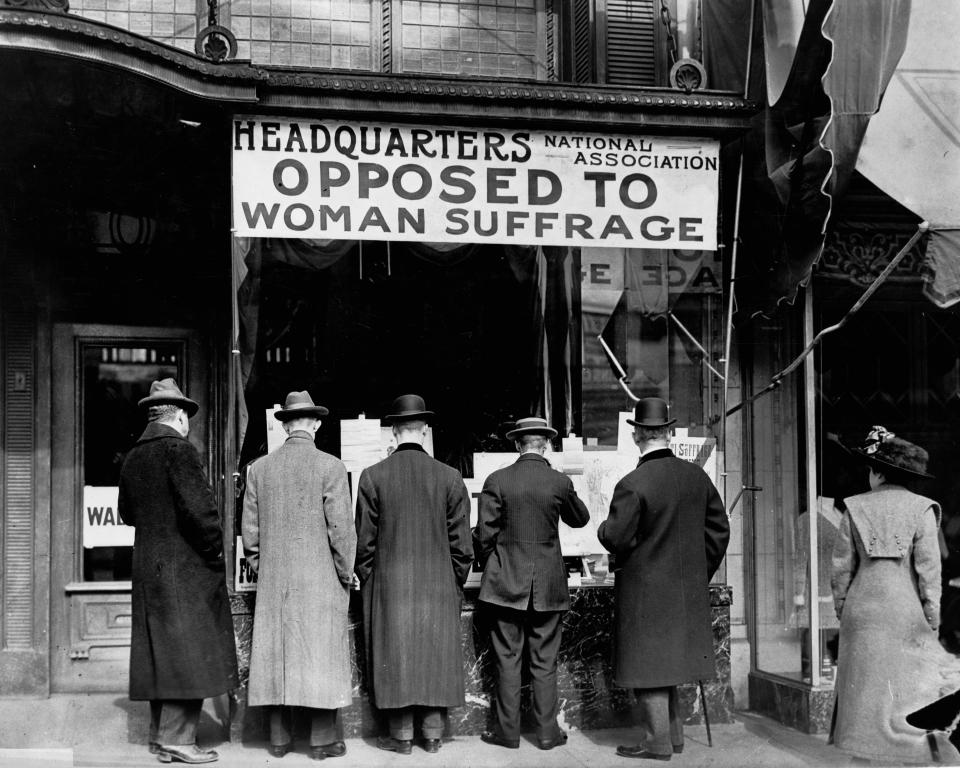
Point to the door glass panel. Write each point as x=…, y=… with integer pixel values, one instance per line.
x=114, y=378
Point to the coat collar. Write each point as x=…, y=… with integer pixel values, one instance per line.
x=299, y=435
x=660, y=453
x=532, y=457
x=156, y=430
x=410, y=447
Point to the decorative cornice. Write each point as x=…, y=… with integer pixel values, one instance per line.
x=859, y=252
x=90, y=40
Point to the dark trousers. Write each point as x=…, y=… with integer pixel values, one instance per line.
x=541, y=631
x=173, y=722
x=401, y=722
x=662, y=726
x=324, y=726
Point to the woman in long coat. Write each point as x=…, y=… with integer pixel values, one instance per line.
x=886, y=589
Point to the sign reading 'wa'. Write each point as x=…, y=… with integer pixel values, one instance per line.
x=376, y=181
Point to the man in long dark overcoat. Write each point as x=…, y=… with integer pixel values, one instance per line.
x=413, y=557
x=182, y=647
x=668, y=530
x=299, y=537
x=518, y=542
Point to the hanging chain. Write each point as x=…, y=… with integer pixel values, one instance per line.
x=213, y=17
x=667, y=20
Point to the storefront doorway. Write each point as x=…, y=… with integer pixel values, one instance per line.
x=99, y=374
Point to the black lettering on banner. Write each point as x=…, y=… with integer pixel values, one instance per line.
x=419, y=139
x=676, y=276
x=646, y=202
x=341, y=214
x=687, y=231
x=371, y=176
x=316, y=129
x=493, y=142
x=444, y=136
x=600, y=180
x=478, y=224
x=665, y=232
x=369, y=150
x=521, y=139
x=295, y=136
x=108, y=518
x=534, y=177
x=417, y=223
x=345, y=141
x=654, y=274
x=704, y=277
x=515, y=221
x=615, y=226
x=495, y=183
x=544, y=221
x=328, y=180
x=467, y=145
x=240, y=130
x=269, y=133
x=259, y=212
x=426, y=183
x=580, y=224
x=374, y=218
x=395, y=145
x=450, y=177
x=456, y=222
x=307, y=222
x=94, y=515
x=302, y=177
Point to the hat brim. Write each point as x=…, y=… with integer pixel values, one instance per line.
x=310, y=412
x=188, y=405
x=395, y=418
x=872, y=459
x=651, y=426
x=541, y=431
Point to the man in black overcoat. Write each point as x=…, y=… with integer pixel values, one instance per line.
x=413, y=557
x=668, y=530
x=182, y=646
x=524, y=581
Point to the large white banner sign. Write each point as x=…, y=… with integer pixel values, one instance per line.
x=376, y=181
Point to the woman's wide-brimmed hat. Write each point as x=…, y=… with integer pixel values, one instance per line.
x=650, y=412
x=408, y=408
x=885, y=451
x=299, y=405
x=533, y=425
x=166, y=392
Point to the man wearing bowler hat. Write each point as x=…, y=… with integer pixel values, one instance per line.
x=298, y=536
x=181, y=647
x=669, y=531
x=524, y=581
x=413, y=556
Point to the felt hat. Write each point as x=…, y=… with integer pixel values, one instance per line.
x=887, y=452
x=166, y=392
x=533, y=425
x=408, y=408
x=299, y=405
x=650, y=412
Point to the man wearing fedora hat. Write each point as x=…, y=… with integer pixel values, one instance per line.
x=298, y=536
x=181, y=647
x=413, y=557
x=669, y=531
x=525, y=583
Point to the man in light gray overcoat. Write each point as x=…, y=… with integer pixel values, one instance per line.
x=299, y=537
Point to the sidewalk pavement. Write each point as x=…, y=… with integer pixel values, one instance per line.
x=104, y=731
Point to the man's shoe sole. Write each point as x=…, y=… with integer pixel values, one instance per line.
x=643, y=754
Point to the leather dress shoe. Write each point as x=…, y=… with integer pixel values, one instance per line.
x=557, y=741
x=400, y=746
x=491, y=737
x=431, y=745
x=677, y=749
x=185, y=753
x=640, y=750
x=333, y=749
x=154, y=747
x=279, y=750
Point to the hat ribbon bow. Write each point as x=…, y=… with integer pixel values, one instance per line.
x=875, y=438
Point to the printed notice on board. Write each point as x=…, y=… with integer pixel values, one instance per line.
x=379, y=181
x=101, y=523
x=244, y=579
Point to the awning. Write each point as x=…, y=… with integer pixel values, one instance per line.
x=912, y=146
x=804, y=145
